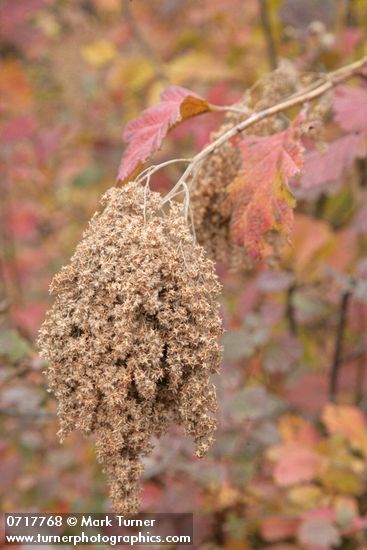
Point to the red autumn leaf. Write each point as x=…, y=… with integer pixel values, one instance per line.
x=259, y=197
x=29, y=317
x=18, y=128
x=23, y=221
x=145, y=133
x=322, y=168
x=151, y=495
x=275, y=528
x=13, y=15
x=297, y=464
x=350, y=107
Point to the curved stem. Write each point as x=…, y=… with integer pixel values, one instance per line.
x=339, y=340
x=148, y=172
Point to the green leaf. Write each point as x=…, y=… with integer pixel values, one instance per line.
x=13, y=346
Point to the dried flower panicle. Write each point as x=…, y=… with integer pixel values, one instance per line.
x=207, y=193
x=132, y=337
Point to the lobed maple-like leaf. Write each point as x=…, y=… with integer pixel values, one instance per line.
x=259, y=197
x=324, y=168
x=350, y=107
x=145, y=133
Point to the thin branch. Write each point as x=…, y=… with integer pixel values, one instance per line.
x=330, y=81
x=148, y=172
x=361, y=360
x=338, y=346
x=268, y=33
x=144, y=44
x=360, y=375
x=290, y=311
x=350, y=16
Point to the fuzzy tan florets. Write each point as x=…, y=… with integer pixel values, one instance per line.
x=210, y=215
x=133, y=336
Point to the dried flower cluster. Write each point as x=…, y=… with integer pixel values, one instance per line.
x=207, y=194
x=133, y=336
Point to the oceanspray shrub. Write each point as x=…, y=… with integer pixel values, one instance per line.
x=133, y=336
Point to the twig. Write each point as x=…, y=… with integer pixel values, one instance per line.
x=332, y=79
x=338, y=348
x=144, y=45
x=362, y=170
x=290, y=312
x=268, y=33
x=360, y=374
x=148, y=172
x=361, y=360
x=350, y=16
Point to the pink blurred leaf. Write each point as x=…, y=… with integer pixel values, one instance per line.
x=308, y=391
x=360, y=221
x=276, y=528
x=29, y=317
x=349, y=38
x=146, y=133
x=48, y=142
x=322, y=168
x=322, y=513
x=23, y=221
x=13, y=14
x=151, y=495
x=297, y=464
x=274, y=280
x=17, y=128
x=350, y=106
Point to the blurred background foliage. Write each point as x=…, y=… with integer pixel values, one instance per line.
x=289, y=468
